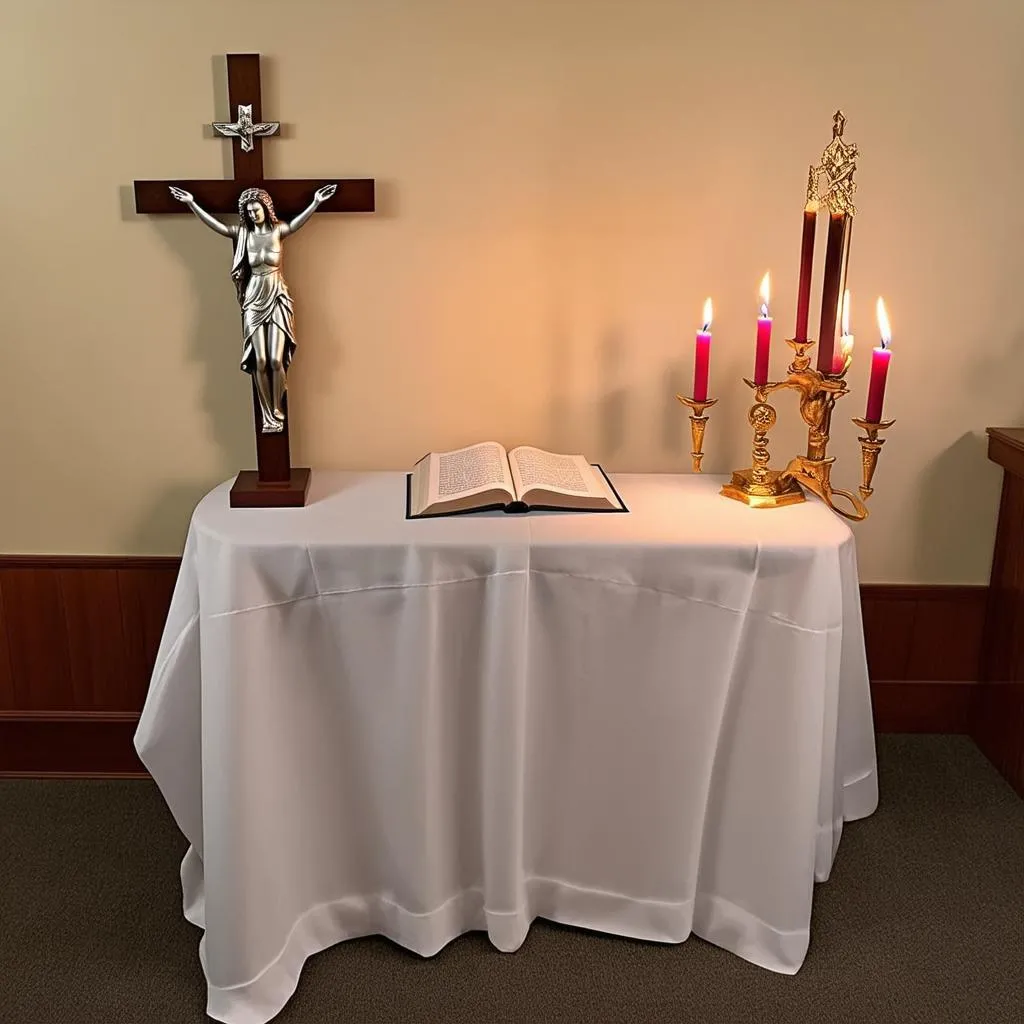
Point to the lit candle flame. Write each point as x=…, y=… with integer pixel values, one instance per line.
x=846, y=346
x=883, y=324
x=766, y=284
x=846, y=312
x=707, y=314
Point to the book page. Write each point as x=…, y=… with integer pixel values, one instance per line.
x=536, y=469
x=449, y=481
x=480, y=467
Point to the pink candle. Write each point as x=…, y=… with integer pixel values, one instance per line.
x=702, y=357
x=879, y=369
x=764, y=336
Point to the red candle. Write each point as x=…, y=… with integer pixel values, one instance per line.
x=764, y=335
x=803, y=298
x=830, y=290
x=879, y=368
x=702, y=357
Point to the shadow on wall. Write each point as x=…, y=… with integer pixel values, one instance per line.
x=607, y=412
x=725, y=433
x=558, y=399
x=957, y=513
x=675, y=423
x=215, y=343
x=603, y=424
x=216, y=337
x=168, y=516
x=614, y=395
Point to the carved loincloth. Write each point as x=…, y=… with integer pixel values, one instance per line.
x=267, y=301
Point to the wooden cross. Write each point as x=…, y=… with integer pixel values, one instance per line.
x=275, y=483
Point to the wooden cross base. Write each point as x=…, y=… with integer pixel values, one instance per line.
x=248, y=491
x=276, y=483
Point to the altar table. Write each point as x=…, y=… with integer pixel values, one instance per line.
x=648, y=724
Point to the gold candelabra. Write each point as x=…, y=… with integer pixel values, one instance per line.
x=818, y=388
x=762, y=487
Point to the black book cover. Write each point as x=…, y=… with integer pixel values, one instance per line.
x=512, y=507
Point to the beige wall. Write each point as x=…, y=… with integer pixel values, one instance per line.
x=561, y=183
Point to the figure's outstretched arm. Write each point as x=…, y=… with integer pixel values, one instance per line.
x=299, y=219
x=321, y=195
x=207, y=218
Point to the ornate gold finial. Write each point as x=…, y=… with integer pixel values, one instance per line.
x=838, y=163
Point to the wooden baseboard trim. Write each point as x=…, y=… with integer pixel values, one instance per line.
x=96, y=776
x=923, y=633
x=69, y=744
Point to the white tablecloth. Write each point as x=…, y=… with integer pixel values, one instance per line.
x=648, y=724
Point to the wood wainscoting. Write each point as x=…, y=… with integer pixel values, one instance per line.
x=924, y=647
x=78, y=638
x=79, y=635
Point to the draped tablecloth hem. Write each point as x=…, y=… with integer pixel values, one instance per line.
x=860, y=796
x=710, y=917
x=860, y=800
x=192, y=889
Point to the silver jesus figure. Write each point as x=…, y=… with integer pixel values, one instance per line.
x=268, y=333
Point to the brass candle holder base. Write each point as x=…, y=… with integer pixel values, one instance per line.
x=774, y=491
x=698, y=421
x=761, y=487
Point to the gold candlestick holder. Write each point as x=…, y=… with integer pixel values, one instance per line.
x=698, y=421
x=761, y=487
x=870, y=446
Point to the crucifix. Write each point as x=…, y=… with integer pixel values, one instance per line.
x=268, y=338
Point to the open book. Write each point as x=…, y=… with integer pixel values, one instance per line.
x=486, y=476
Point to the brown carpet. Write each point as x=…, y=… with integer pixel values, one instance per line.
x=922, y=921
